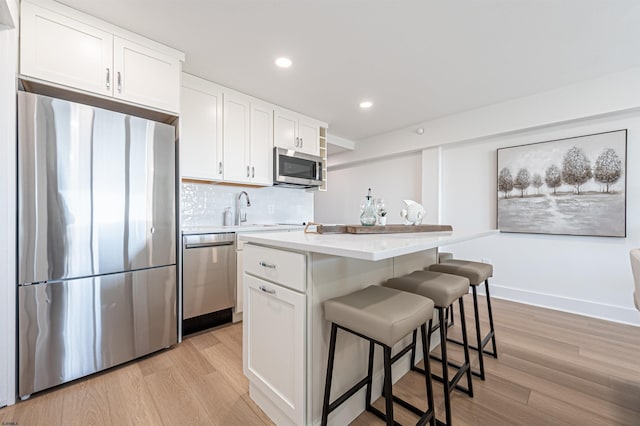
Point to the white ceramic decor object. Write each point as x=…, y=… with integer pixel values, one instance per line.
x=413, y=213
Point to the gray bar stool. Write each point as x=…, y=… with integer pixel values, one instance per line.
x=476, y=273
x=444, y=290
x=382, y=316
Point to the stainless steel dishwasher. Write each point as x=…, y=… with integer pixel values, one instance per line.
x=208, y=280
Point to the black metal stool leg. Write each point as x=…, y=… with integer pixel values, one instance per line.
x=327, y=384
x=478, y=334
x=413, y=349
x=445, y=366
x=369, y=376
x=493, y=333
x=426, y=342
x=465, y=342
x=387, y=385
x=452, y=320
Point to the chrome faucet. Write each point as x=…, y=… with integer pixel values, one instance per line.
x=241, y=217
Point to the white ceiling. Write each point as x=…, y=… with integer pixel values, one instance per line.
x=415, y=59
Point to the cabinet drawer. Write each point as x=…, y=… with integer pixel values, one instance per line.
x=283, y=267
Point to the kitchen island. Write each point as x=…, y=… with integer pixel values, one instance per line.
x=287, y=276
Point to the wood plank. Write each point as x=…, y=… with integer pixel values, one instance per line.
x=43, y=408
x=175, y=400
x=130, y=402
x=375, y=229
x=394, y=229
x=86, y=403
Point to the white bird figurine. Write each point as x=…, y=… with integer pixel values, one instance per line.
x=413, y=213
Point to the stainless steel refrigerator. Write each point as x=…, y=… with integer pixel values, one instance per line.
x=96, y=240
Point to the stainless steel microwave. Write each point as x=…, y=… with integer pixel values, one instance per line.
x=293, y=168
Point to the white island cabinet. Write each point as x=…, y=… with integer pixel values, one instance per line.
x=287, y=276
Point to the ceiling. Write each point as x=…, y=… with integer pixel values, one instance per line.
x=415, y=59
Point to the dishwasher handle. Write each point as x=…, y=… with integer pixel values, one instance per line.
x=209, y=244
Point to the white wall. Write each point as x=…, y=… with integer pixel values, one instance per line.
x=395, y=179
x=588, y=275
x=8, y=67
x=585, y=275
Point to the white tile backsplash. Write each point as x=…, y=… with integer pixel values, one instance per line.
x=203, y=204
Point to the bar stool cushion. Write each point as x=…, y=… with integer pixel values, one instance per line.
x=380, y=313
x=443, y=289
x=476, y=272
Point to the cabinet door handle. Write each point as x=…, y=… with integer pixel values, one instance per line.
x=119, y=82
x=267, y=265
x=301, y=142
x=297, y=141
x=108, y=79
x=267, y=290
x=247, y=171
x=253, y=171
x=220, y=168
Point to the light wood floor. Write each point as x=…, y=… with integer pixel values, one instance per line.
x=553, y=369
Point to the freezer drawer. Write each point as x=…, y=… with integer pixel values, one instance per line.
x=68, y=329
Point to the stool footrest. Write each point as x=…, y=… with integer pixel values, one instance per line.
x=453, y=383
x=485, y=342
x=402, y=353
x=455, y=364
x=355, y=388
x=380, y=414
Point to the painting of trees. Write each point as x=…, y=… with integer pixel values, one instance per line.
x=505, y=182
x=608, y=168
x=576, y=168
x=536, y=182
x=522, y=181
x=586, y=180
x=553, y=177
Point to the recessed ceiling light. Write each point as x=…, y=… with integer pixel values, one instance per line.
x=366, y=104
x=283, y=62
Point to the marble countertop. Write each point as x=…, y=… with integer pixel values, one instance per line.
x=193, y=230
x=363, y=246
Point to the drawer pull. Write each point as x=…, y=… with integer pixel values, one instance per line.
x=266, y=290
x=267, y=265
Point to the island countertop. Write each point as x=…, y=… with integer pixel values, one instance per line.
x=363, y=246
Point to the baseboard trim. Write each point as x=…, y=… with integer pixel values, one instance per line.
x=575, y=306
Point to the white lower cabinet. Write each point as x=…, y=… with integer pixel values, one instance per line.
x=274, y=344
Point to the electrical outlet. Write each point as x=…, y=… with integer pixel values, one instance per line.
x=299, y=209
x=486, y=261
x=271, y=209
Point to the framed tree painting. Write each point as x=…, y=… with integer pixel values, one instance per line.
x=574, y=186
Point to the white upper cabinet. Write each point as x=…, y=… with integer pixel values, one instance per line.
x=285, y=129
x=247, y=140
x=296, y=132
x=200, y=129
x=236, y=138
x=261, y=146
x=62, y=50
x=309, y=134
x=228, y=136
x=65, y=47
x=144, y=76
x=224, y=135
